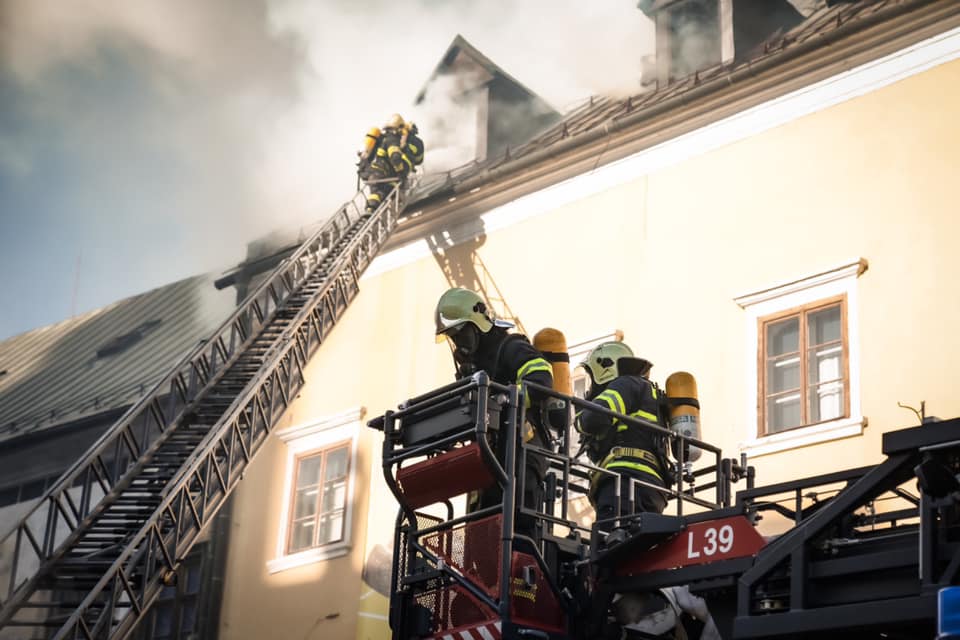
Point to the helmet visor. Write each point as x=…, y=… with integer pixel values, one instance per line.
x=445, y=330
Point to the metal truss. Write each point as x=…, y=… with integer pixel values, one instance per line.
x=96, y=550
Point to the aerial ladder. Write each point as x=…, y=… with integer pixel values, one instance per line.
x=96, y=550
x=870, y=552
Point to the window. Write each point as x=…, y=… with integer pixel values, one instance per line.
x=319, y=498
x=174, y=614
x=804, y=362
x=315, y=519
x=580, y=381
x=802, y=355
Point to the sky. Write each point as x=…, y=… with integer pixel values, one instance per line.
x=144, y=141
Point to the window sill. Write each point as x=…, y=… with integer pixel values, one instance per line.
x=310, y=556
x=804, y=436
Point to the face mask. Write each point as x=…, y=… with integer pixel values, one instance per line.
x=466, y=341
x=594, y=389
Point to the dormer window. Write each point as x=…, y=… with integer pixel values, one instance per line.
x=121, y=343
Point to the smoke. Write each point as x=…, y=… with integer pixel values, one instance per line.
x=158, y=137
x=448, y=117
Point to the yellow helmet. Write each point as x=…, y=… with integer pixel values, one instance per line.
x=601, y=363
x=459, y=306
x=394, y=122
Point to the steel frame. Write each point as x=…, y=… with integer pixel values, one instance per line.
x=294, y=308
x=477, y=392
x=834, y=573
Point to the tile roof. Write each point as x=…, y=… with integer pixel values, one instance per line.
x=598, y=111
x=104, y=359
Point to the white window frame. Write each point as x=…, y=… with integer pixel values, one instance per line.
x=840, y=280
x=304, y=439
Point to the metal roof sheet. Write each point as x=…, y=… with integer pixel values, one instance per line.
x=104, y=359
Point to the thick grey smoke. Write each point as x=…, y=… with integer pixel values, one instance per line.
x=157, y=137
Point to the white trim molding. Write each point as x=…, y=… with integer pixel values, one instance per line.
x=301, y=439
x=852, y=269
x=840, y=280
x=750, y=122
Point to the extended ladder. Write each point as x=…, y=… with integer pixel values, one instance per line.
x=93, y=554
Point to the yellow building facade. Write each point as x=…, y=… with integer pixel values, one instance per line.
x=798, y=256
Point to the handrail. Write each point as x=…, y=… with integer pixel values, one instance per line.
x=165, y=546
x=115, y=458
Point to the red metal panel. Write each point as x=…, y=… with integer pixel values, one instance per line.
x=699, y=543
x=489, y=630
x=450, y=474
x=536, y=605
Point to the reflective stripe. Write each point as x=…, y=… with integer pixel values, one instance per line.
x=636, y=466
x=381, y=153
x=413, y=149
x=393, y=149
x=614, y=400
x=630, y=452
x=639, y=413
x=374, y=196
x=532, y=365
x=653, y=390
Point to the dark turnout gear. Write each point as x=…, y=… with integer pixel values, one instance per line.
x=482, y=343
x=388, y=157
x=374, y=170
x=403, y=149
x=625, y=448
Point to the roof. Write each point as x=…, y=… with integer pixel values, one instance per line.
x=461, y=45
x=105, y=359
x=598, y=112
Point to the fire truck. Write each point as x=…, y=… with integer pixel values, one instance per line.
x=870, y=552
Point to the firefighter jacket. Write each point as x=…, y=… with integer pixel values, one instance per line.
x=511, y=359
x=402, y=149
x=622, y=446
x=414, y=148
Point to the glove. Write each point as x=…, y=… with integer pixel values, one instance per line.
x=557, y=414
x=597, y=447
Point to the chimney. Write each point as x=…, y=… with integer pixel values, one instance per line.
x=693, y=35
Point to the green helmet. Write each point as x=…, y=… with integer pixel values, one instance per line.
x=457, y=307
x=602, y=361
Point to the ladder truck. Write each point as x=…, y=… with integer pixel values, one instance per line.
x=92, y=555
x=863, y=552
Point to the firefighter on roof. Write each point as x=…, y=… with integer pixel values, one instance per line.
x=481, y=342
x=388, y=156
x=619, y=383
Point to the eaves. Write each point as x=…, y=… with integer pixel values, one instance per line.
x=742, y=87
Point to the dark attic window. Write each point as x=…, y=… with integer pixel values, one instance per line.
x=121, y=343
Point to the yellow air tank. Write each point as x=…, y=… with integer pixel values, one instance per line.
x=684, y=410
x=370, y=140
x=553, y=345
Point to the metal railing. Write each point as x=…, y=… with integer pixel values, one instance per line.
x=195, y=493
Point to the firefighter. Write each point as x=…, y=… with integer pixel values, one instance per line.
x=374, y=169
x=481, y=342
x=619, y=382
x=389, y=155
x=404, y=148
